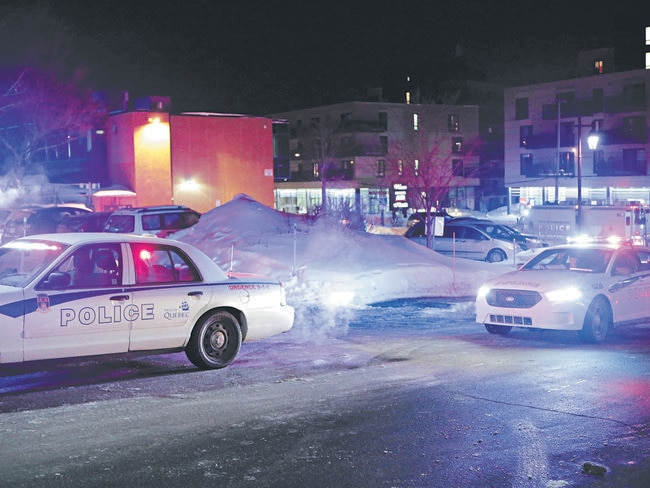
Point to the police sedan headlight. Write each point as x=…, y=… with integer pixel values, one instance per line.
x=570, y=294
x=482, y=292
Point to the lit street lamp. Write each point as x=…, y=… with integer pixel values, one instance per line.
x=592, y=142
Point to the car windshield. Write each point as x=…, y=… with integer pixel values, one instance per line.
x=120, y=223
x=497, y=231
x=572, y=259
x=21, y=261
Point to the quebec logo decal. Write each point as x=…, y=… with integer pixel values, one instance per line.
x=43, y=302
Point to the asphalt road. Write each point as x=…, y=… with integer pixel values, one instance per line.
x=405, y=394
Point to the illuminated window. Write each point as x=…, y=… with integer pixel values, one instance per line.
x=416, y=166
x=453, y=122
x=400, y=167
x=525, y=132
x=415, y=121
x=567, y=163
x=381, y=168
x=457, y=145
x=598, y=67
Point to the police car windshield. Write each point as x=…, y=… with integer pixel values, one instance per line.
x=22, y=260
x=572, y=259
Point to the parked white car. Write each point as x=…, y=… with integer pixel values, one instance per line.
x=466, y=241
x=587, y=288
x=81, y=294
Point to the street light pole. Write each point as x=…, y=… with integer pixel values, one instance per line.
x=579, y=208
x=592, y=141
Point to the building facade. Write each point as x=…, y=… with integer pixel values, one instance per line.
x=200, y=160
x=549, y=128
x=341, y=152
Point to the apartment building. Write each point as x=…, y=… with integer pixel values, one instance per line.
x=587, y=136
x=350, y=141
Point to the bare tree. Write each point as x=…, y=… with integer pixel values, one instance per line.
x=429, y=165
x=326, y=149
x=39, y=112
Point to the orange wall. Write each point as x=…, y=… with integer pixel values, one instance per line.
x=224, y=156
x=139, y=156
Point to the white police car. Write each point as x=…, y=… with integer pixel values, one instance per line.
x=80, y=294
x=588, y=288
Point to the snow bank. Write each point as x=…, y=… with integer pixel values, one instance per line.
x=322, y=263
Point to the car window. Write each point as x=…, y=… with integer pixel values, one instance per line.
x=151, y=222
x=451, y=231
x=475, y=234
x=162, y=264
x=644, y=260
x=172, y=221
x=626, y=263
x=21, y=261
x=120, y=223
x=91, y=266
x=416, y=231
x=191, y=218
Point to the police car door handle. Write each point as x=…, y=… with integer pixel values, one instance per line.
x=119, y=298
x=195, y=294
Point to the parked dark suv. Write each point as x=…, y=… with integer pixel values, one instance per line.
x=159, y=221
x=37, y=220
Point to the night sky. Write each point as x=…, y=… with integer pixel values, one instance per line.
x=268, y=56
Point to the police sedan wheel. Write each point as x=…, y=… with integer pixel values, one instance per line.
x=497, y=329
x=597, y=321
x=215, y=341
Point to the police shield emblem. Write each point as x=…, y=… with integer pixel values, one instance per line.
x=43, y=302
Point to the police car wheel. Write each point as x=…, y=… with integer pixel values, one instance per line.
x=497, y=329
x=597, y=322
x=215, y=341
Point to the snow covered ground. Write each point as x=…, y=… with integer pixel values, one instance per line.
x=321, y=263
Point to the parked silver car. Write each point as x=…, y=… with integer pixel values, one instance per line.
x=466, y=241
x=503, y=232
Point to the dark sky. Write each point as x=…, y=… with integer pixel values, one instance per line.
x=268, y=56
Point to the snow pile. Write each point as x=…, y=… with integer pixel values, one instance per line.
x=321, y=263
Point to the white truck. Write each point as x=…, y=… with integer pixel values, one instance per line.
x=557, y=223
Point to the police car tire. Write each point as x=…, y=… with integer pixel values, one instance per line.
x=498, y=329
x=597, y=322
x=215, y=341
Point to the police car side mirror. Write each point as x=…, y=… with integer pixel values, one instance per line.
x=56, y=281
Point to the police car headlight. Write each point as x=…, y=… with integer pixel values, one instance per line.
x=570, y=294
x=482, y=292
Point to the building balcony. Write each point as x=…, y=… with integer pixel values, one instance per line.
x=616, y=136
x=337, y=174
x=587, y=107
x=610, y=167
